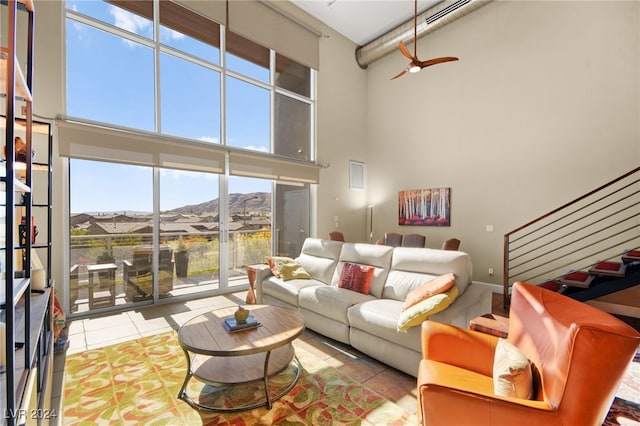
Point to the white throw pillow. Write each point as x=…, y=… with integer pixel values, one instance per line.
x=511, y=372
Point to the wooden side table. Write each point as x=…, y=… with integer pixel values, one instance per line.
x=106, y=272
x=251, y=294
x=492, y=324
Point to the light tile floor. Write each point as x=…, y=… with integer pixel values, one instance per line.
x=91, y=333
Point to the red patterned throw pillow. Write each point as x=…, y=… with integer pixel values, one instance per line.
x=356, y=277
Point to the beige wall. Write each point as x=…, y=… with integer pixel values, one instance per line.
x=542, y=107
x=48, y=99
x=341, y=137
x=526, y=120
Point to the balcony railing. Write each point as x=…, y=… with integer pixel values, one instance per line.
x=246, y=247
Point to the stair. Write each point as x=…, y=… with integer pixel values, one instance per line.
x=591, y=234
x=604, y=279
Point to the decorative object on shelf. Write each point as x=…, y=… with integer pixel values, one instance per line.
x=22, y=228
x=241, y=315
x=38, y=279
x=20, y=150
x=425, y=207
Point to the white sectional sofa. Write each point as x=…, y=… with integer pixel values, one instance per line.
x=369, y=322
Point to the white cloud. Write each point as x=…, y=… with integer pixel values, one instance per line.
x=258, y=148
x=169, y=34
x=129, y=21
x=209, y=139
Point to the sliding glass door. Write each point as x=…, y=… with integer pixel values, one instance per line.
x=249, y=241
x=189, y=233
x=111, y=215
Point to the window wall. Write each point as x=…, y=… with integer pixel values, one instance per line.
x=232, y=121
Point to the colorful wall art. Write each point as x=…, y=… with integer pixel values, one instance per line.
x=425, y=207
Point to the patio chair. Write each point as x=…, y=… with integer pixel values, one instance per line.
x=138, y=273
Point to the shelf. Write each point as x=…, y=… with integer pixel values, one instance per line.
x=39, y=305
x=22, y=90
x=21, y=123
x=19, y=185
x=19, y=287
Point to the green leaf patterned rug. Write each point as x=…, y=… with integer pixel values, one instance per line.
x=137, y=382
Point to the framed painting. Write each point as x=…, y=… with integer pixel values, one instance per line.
x=425, y=207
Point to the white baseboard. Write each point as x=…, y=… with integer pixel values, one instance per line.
x=495, y=288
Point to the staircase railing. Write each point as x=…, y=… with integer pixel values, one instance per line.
x=597, y=226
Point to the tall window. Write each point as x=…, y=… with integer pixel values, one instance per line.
x=120, y=73
x=173, y=93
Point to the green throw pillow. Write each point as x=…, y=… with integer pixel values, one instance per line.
x=421, y=311
x=292, y=270
x=287, y=268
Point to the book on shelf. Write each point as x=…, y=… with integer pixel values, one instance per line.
x=230, y=324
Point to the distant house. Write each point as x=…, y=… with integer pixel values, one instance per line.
x=178, y=224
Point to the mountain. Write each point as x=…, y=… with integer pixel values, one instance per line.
x=255, y=202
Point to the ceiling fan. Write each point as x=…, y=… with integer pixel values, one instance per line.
x=416, y=64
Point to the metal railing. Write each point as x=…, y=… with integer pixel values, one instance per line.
x=597, y=226
x=245, y=247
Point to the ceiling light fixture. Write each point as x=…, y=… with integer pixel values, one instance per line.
x=416, y=64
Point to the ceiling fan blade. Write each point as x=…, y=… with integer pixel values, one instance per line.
x=404, y=71
x=435, y=61
x=405, y=51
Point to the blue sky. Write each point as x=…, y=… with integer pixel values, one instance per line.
x=110, y=79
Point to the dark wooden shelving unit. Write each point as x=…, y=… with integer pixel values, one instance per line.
x=26, y=312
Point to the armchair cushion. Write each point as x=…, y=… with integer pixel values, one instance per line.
x=421, y=311
x=511, y=372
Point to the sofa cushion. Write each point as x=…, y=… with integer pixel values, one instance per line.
x=319, y=258
x=287, y=291
x=421, y=311
x=366, y=254
x=437, y=285
x=379, y=318
x=330, y=301
x=356, y=277
x=411, y=264
x=511, y=372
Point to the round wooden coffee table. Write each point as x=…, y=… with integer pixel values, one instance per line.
x=217, y=357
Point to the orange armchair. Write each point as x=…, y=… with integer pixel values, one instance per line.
x=578, y=356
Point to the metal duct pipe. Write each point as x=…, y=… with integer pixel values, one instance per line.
x=428, y=21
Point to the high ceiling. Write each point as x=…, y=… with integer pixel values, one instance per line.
x=363, y=20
